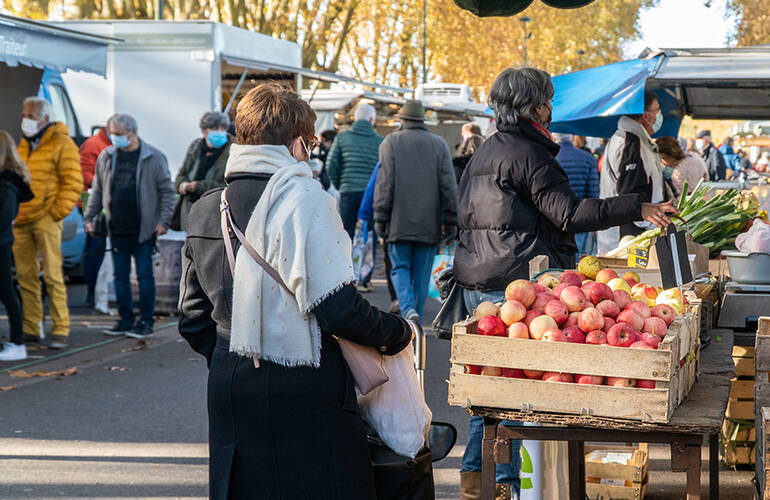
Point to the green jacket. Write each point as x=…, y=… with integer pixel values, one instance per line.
x=214, y=178
x=352, y=157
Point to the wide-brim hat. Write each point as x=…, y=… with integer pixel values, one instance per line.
x=412, y=110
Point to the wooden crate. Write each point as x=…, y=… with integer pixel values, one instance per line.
x=635, y=473
x=673, y=381
x=762, y=405
x=763, y=451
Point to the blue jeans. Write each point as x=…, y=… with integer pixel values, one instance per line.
x=93, y=255
x=410, y=273
x=504, y=473
x=349, y=205
x=123, y=248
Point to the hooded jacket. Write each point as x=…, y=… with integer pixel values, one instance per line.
x=54, y=167
x=352, y=157
x=631, y=165
x=515, y=202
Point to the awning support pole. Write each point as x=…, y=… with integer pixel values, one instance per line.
x=235, y=92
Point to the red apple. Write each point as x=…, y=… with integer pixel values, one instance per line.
x=557, y=377
x=596, y=337
x=664, y=312
x=656, y=326
x=631, y=317
x=571, y=278
x=548, y=281
x=553, y=335
x=574, y=298
x=641, y=344
x=530, y=316
x=473, y=369
x=608, y=308
x=539, y=325
x=533, y=373
x=541, y=300
x=521, y=291
x=582, y=276
x=605, y=276
x=651, y=339
x=645, y=384
x=492, y=326
x=621, y=382
x=590, y=320
x=512, y=312
x=608, y=323
x=572, y=319
x=486, y=309
x=574, y=335
x=640, y=307
x=600, y=292
x=631, y=282
x=589, y=379
x=518, y=331
x=621, y=335
x=492, y=371
x=513, y=373
x=587, y=286
x=622, y=298
x=540, y=288
x=557, y=310
x=559, y=288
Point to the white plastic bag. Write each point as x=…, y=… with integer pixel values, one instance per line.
x=756, y=239
x=363, y=252
x=397, y=409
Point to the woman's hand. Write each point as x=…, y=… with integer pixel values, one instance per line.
x=657, y=213
x=183, y=188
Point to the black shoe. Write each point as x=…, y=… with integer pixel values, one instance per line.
x=90, y=300
x=28, y=338
x=120, y=328
x=141, y=331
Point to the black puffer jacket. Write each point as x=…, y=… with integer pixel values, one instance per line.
x=515, y=203
x=13, y=190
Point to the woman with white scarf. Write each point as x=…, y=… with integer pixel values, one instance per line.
x=283, y=419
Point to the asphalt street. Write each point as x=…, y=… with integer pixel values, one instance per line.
x=131, y=422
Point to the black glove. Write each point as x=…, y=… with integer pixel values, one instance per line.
x=381, y=229
x=449, y=235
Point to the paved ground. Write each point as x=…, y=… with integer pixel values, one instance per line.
x=131, y=422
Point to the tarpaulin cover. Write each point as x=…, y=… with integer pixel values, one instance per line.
x=591, y=101
x=489, y=8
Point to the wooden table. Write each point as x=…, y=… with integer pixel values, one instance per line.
x=701, y=414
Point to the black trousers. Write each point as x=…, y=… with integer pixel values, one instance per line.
x=8, y=295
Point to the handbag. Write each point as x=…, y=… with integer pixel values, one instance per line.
x=99, y=225
x=366, y=363
x=452, y=305
x=175, y=223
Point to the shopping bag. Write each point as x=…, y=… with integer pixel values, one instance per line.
x=443, y=260
x=396, y=410
x=756, y=239
x=363, y=252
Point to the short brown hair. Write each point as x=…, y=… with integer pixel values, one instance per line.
x=670, y=147
x=273, y=114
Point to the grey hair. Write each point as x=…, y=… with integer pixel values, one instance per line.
x=518, y=92
x=125, y=120
x=366, y=112
x=42, y=104
x=214, y=119
x=559, y=137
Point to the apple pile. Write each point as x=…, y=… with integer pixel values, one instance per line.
x=572, y=308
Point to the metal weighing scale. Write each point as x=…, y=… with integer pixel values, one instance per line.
x=742, y=305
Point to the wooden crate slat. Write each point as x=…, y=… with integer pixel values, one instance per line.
x=743, y=351
x=744, y=367
x=743, y=410
x=564, y=357
x=741, y=389
x=604, y=491
x=762, y=353
x=652, y=405
x=634, y=472
x=763, y=326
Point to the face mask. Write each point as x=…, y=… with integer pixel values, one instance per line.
x=217, y=138
x=316, y=166
x=547, y=123
x=120, y=141
x=699, y=144
x=29, y=127
x=304, y=146
x=658, y=122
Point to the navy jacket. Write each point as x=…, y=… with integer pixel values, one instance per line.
x=581, y=170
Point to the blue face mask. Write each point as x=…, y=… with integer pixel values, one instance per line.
x=658, y=122
x=120, y=141
x=217, y=138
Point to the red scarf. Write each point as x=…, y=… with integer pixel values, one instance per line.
x=540, y=129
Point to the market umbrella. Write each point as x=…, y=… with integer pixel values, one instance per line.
x=489, y=8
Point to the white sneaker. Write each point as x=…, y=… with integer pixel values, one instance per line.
x=13, y=352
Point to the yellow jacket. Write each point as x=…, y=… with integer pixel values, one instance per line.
x=56, y=179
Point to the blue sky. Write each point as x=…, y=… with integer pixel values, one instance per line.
x=682, y=24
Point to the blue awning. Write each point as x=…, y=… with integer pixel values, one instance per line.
x=591, y=101
x=44, y=46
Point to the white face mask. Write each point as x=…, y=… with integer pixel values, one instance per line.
x=304, y=146
x=29, y=127
x=699, y=143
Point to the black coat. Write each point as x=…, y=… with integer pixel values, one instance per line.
x=515, y=203
x=276, y=432
x=13, y=190
x=715, y=162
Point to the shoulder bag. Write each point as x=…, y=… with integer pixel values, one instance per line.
x=366, y=363
x=452, y=305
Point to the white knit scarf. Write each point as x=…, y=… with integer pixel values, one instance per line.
x=296, y=228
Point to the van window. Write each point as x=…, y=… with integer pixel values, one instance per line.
x=62, y=109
